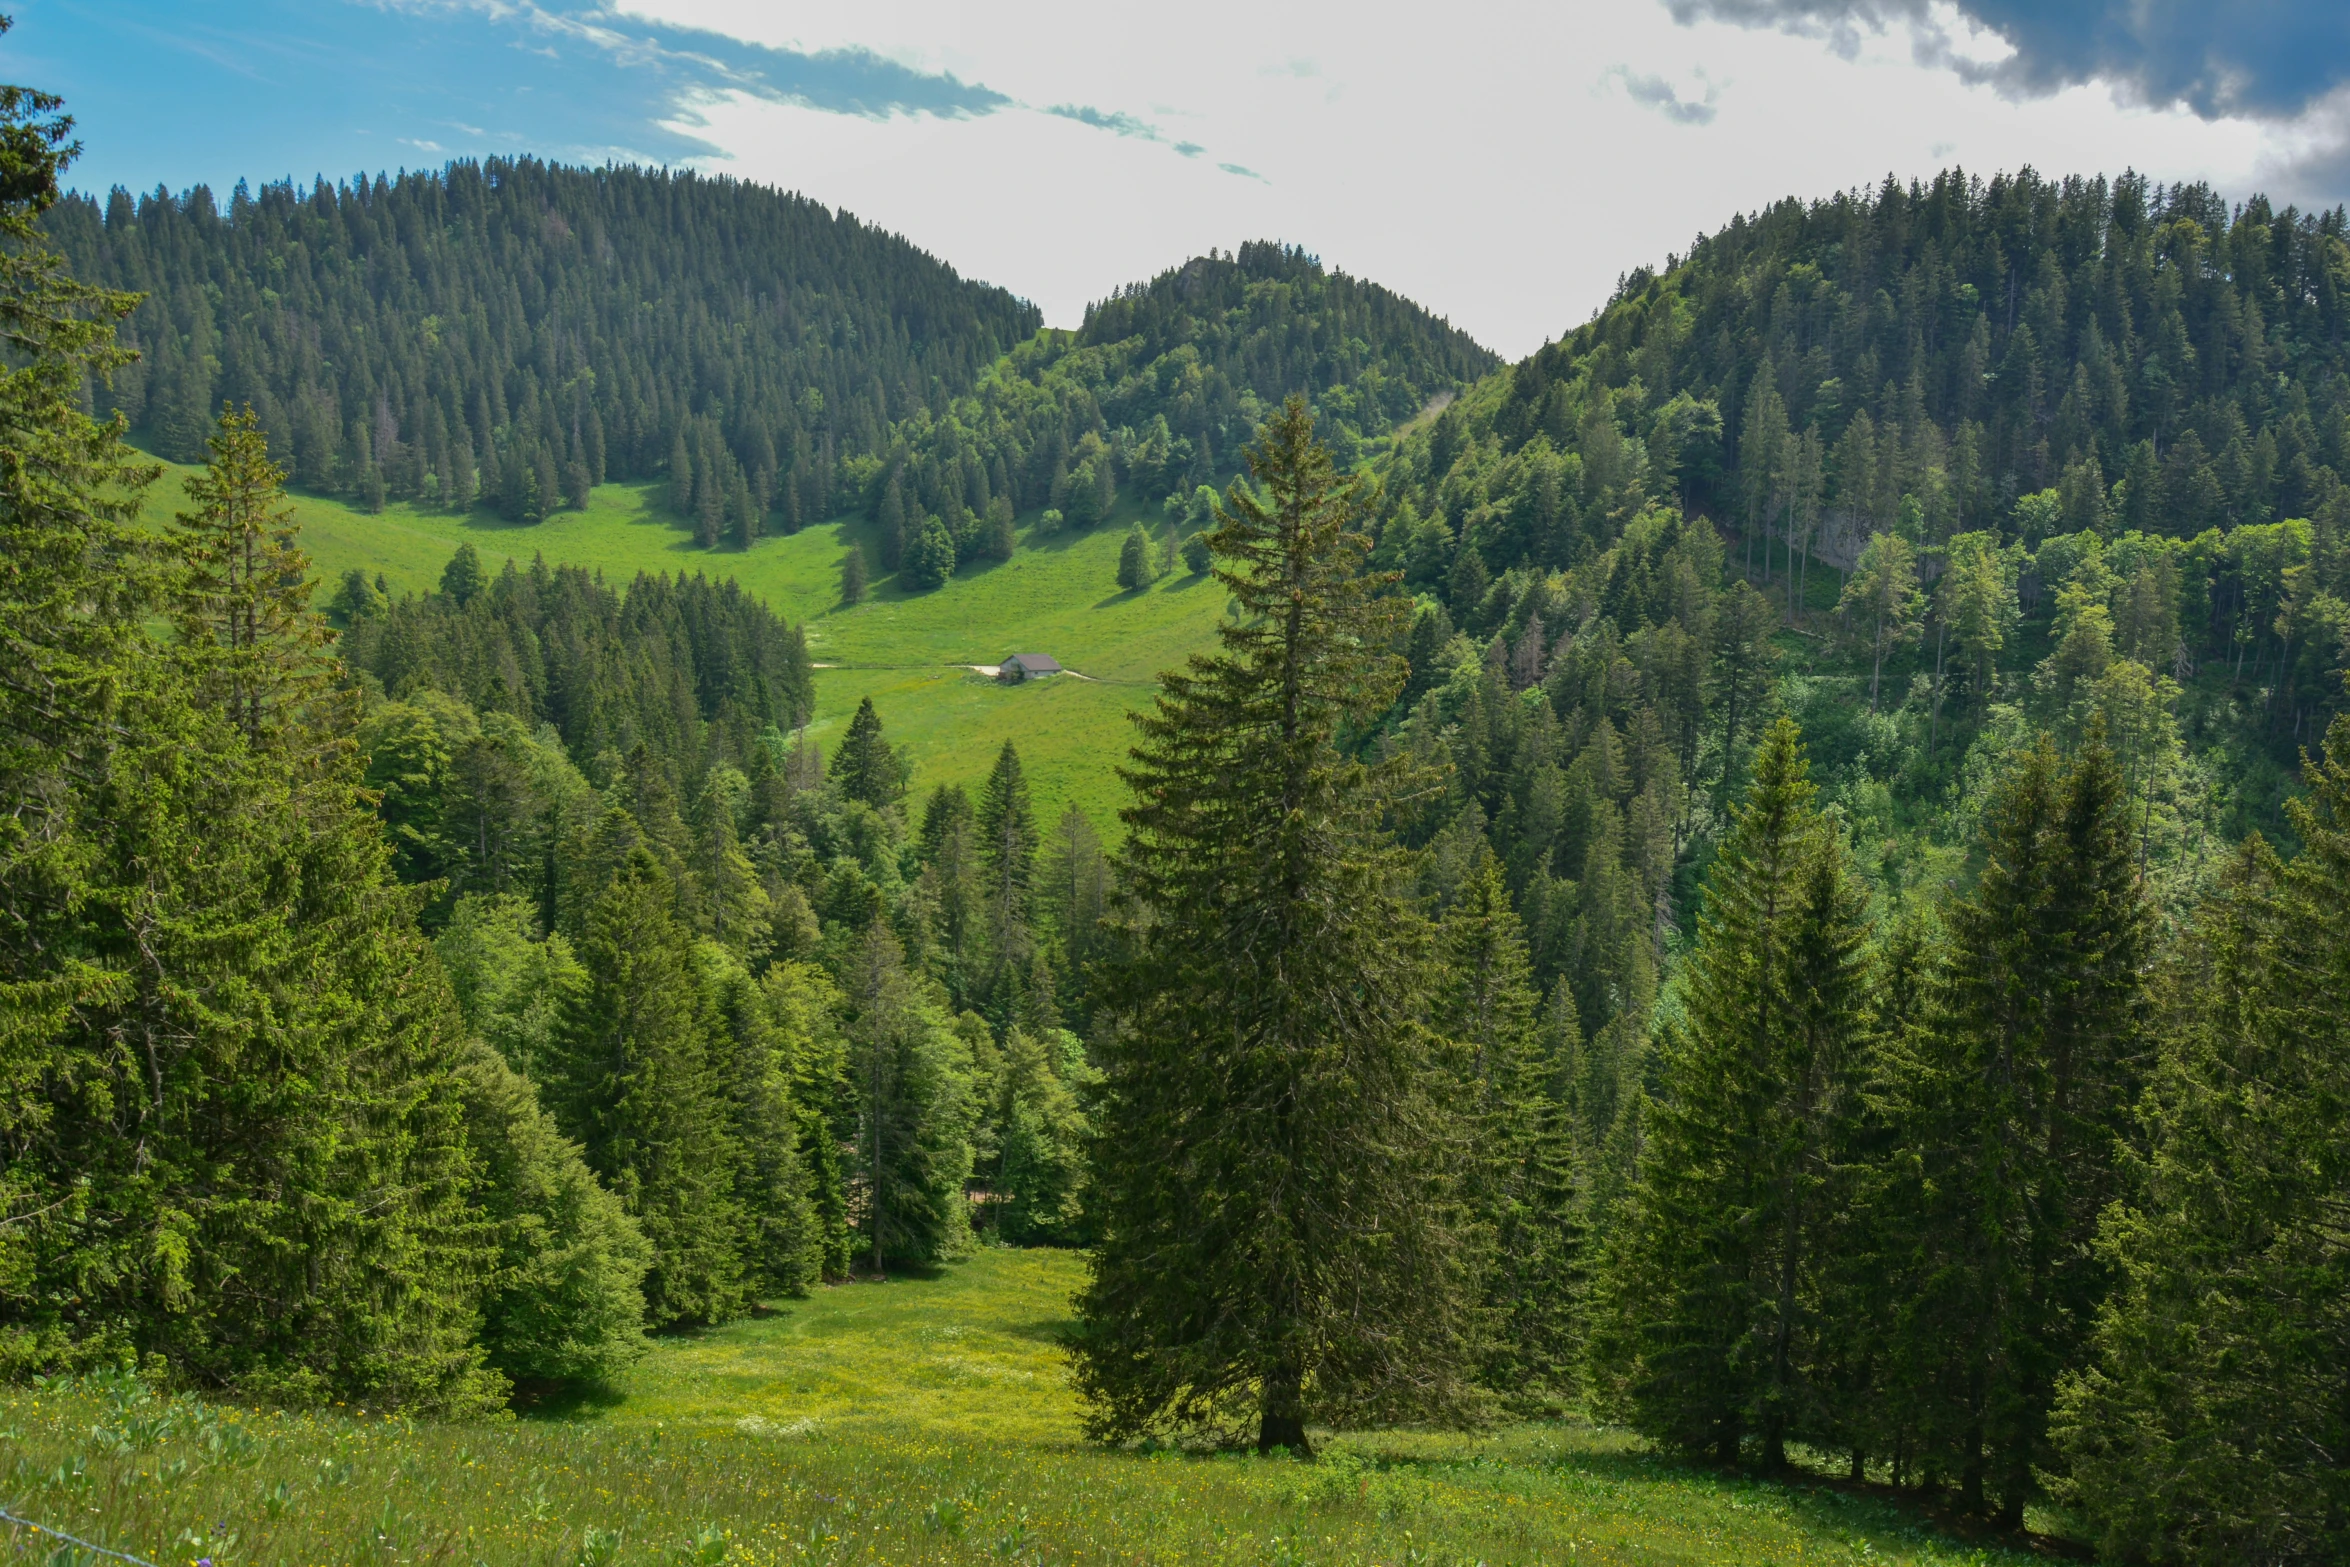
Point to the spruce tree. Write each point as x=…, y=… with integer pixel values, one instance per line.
x=1716, y=1290
x=2011, y=1102
x=1007, y=851
x=2212, y=1422
x=852, y=575
x=865, y=768
x=912, y=1151
x=244, y=598
x=229, y=1099
x=1521, y=1179
x=637, y=1082
x=1279, y=1243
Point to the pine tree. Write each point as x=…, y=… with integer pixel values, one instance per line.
x=243, y=605
x=1882, y=599
x=1521, y=1180
x=2011, y=1100
x=912, y=1150
x=769, y=1026
x=852, y=576
x=637, y=1082
x=1716, y=1290
x=1277, y=1240
x=1007, y=850
x=865, y=768
x=565, y=1300
x=2212, y=1421
x=228, y=1090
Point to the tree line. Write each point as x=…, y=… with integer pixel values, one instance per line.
x=513, y=332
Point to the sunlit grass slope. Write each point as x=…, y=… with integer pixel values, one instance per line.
x=1057, y=596
x=920, y=1421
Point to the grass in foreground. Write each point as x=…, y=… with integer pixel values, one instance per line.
x=1056, y=595
x=919, y=1421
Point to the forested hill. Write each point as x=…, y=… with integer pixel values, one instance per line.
x=1166, y=381
x=2050, y=370
x=518, y=330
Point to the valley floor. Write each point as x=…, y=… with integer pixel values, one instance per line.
x=926, y=1420
x=911, y=652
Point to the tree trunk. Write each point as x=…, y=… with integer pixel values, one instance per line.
x=1282, y=1421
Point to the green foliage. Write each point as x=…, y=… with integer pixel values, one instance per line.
x=635, y=1078
x=865, y=768
x=2208, y=1424
x=929, y=558
x=1716, y=1289
x=2010, y=1100
x=911, y=1084
x=1522, y=1170
x=667, y=313
x=1197, y=555
x=1134, y=561
x=1267, y=1025
x=564, y=1300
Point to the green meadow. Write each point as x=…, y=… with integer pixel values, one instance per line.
x=923, y=1420
x=910, y=652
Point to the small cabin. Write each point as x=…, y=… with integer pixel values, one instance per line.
x=1026, y=666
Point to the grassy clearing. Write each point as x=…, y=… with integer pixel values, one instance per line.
x=1056, y=595
x=921, y=1421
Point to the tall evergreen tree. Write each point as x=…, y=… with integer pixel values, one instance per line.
x=1521, y=1178
x=2011, y=1102
x=245, y=595
x=2212, y=1424
x=1007, y=849
x=229, y=1103
x=912, y=1152
x=637, y=1082
x=1279, y=1240
x=865, y=768
x=1715, y=1292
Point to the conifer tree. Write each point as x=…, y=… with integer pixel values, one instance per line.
x=2212, y=1423
x=912, y=1151
x=2011, y=1100
x=1278, y=1239
x=852, y=576
x=228, y=1068
x=244, y=600
x=1007, y=849
x=768, y=1028
x=1521, y=1179
x=637, y=1082
x=1715, y=1292
x=565, y=1300
x=865, y=768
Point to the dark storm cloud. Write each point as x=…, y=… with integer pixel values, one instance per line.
x=2263, y=57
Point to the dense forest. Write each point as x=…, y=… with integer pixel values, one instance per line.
x=1793, y=918
x=1154, y=397
x=512, y=332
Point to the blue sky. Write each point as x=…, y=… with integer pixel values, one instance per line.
x=1500, y=160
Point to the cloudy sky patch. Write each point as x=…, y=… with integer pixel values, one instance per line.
x=1502, y=161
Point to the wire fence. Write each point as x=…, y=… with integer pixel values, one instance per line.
x=17, y=1523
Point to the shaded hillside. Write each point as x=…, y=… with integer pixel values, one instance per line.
x=2020, y=358
x=519, y=331
x=1157, y=392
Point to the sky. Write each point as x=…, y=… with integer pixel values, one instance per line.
x=1503, y=162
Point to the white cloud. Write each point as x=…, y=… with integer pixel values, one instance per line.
x=1501, y=161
